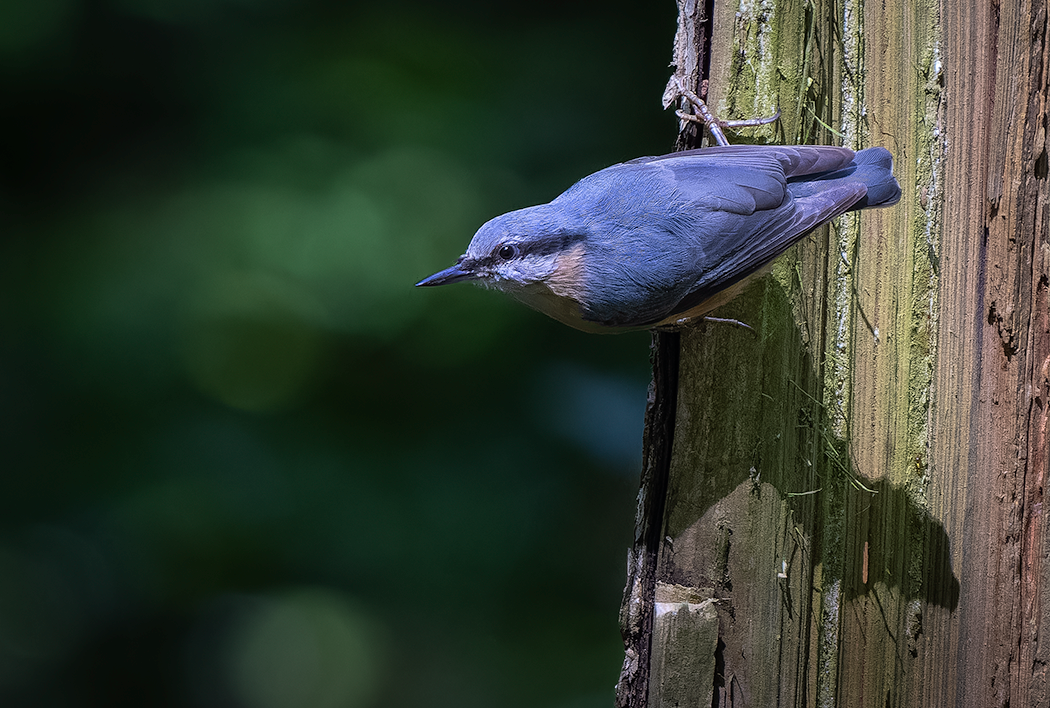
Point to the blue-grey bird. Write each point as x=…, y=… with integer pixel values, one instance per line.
x=656, y=241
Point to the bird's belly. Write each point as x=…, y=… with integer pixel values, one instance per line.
x=681, y=319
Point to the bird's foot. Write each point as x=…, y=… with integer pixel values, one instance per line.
x=702, y=114
x=688, y=321
x=729, y=320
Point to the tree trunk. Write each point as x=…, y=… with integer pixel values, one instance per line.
x=846, y=507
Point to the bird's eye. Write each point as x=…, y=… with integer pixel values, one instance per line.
x=507, y=251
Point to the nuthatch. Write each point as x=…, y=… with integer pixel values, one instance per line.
x=657, y=241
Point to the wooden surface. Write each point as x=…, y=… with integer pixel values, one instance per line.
x=857, y=490
x=992, y=378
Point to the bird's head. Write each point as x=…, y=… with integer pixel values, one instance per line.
x=515, y=252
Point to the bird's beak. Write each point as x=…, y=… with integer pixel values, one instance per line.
x=450, y=275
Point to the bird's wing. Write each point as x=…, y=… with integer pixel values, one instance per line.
x=740, y=179
x=762, y=237
x=794, y=160
x=718, y=215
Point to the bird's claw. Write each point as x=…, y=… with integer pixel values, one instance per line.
x=704, y=115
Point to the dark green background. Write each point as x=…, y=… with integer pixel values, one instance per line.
x=244, y=461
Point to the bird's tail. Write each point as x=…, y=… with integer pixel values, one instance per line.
x=872, y=167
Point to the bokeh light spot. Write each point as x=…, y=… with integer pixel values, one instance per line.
x=247, y=341
x=306, y=649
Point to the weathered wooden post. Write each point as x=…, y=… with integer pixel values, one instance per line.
x=846, y=508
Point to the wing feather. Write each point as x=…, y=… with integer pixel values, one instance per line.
x=767, y=239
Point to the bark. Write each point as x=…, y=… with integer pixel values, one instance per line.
x=852, y=505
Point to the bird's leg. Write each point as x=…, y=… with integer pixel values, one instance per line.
x=704, y=115
x=713, y=125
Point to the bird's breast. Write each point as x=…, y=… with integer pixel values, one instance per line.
x=566, y=310
x=568, y=278
x=561, y=294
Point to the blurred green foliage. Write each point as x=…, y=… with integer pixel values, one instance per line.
x=245, y=462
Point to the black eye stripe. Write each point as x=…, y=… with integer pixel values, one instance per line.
x=533, y=247
x=541, y=246
x=547, y=246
